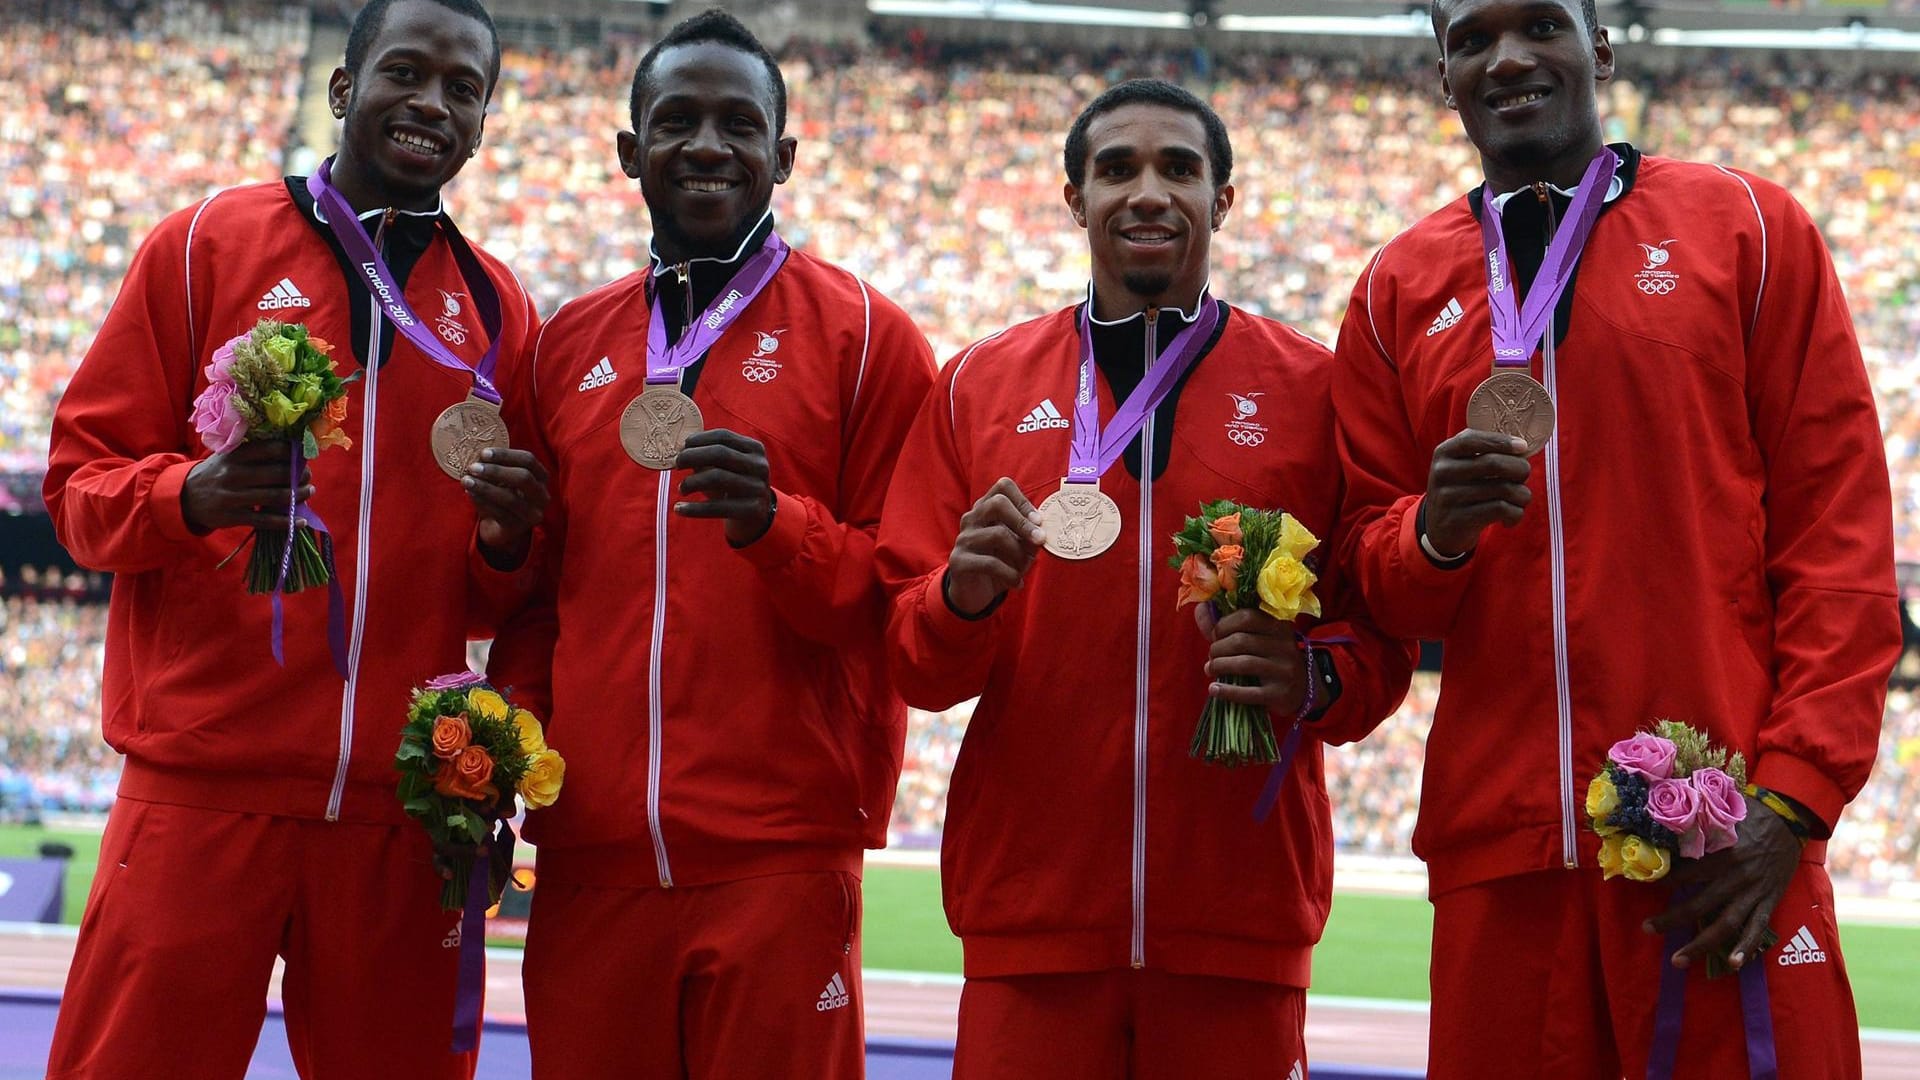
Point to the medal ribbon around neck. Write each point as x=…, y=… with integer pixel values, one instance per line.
x=666, y=362
x=1081, y=521
x=1517, y=328
x=349, y=230
x=1095, y=448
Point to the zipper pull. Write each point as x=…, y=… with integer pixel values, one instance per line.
x=1153, y=337
x=1540, y=191
x=684, y=271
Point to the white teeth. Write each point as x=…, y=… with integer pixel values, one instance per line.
x=1524, y=99
x=416, y=143
x=706, y=185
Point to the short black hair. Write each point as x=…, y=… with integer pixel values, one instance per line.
x=1437, y=8
x=368, y=22
x=1150, y=92
x=720, y=28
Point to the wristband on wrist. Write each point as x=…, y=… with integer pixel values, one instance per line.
x=1772, y=801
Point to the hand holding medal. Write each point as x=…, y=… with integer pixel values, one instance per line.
x=998, y=542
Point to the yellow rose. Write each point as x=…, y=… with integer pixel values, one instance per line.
x=1295, y=539
x=1642, y=861
x=487, y=704
x=532, y=739
x=1610, y=862
x=1286, y=587
x=541, y=784
x=1602, y=800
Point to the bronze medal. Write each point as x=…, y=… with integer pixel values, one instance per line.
x=463, y=431
x=1512, y=403
x=656, y=425
x=1080, y=520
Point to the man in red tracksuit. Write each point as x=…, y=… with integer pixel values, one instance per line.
x=710, y=635
x=256, y=814
x=1706, y=538
x=1123, y=913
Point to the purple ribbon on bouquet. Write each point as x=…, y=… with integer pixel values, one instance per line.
x=1277, y=776
x=471, y=983
x=1756, y=1013
x=297, y=513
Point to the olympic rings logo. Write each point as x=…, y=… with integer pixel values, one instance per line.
x=1656, y=286
x=1244, y=437
x=756, y=373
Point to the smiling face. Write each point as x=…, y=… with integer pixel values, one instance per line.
x=414, y=110
x=706, y=149
x=1522, y=75
x=1149, y=206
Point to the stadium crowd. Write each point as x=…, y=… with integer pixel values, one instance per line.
x=936, y=175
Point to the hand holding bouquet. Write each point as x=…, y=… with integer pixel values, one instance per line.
x=1662, y=796
x=1232, y=557
x=464, y=754
x=277, y=382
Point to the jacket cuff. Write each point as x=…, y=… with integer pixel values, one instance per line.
x=1804, y=783
x=782, y=541
x=946, y=625
x=495, y=581
x=163, y=501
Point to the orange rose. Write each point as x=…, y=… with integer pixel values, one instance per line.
x=450, y=736
x=1198, y=582
x=466, y=776
x=336, y=411
x=1226, y=529
x=319, y=343
x=326, y=428
x=1226, y=563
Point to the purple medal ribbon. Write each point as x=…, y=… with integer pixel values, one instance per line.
x=347, y=228
x=471, y=983
x=1095, y=449
x=1756, y=1013
x=666, y=362
x=1517, y=329
x=298, y=512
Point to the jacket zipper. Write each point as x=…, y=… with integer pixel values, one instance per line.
x=363, y=537
x=1142, y=640
x=660, y=506
x=1562, y=685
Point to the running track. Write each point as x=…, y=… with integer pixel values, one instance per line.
x=910, y=1023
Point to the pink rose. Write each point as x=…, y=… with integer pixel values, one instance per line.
x=1722, y=808
x=1675, y=807
x=221, y=368
x=1648, y=755
x=455, y=681
x=215, y=418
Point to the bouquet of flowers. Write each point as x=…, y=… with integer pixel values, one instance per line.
x=1232, y=557
x=1662, y=796
x=464, y=753
x=276, y=381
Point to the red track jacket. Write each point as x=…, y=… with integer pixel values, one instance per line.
x=1710, y=538
x=724, y=713
x=1080, y=836
x=191, y=693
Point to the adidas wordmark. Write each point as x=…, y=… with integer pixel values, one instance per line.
x=601, y=374
x=835, y=996
x=1801, y=949
x=284, y=295
x=1449, y=315
x=1043, y=416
